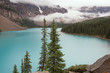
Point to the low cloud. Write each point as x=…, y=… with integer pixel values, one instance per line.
x=71, y=17
x=35, y=2
x=67, y=3
x=104, y=14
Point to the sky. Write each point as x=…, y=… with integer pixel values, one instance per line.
x=67, y=3
x=78, y=3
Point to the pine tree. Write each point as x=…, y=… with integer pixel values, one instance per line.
x=15, y=69
x=55, y=62
x=44, y=48
x=108, y=34
x=0, y=30
x=27, y=65
x=22, y=66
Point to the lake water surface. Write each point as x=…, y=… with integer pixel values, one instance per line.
x=77, y=49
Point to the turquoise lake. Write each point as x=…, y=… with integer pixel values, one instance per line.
x=77, y=49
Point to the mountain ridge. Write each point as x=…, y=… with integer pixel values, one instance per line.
x=31, y=10
x=18, y=13
x=95, y=9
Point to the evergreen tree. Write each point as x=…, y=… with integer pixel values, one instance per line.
x=95, y=27
x=55, y=62
x=15, y=69
x=44, y=48
x=0, y=30
x=22, y=66
x=108, y=34
x=27, y=65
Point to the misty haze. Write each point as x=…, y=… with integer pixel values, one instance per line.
x=54, y=36
x=76, y=10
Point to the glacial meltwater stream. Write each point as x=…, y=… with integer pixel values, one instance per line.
x=77, y=49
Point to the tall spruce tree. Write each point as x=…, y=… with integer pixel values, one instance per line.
x=15, y=69
x=22, y=66
x=27, y=65
x=108, y=34
x=55, y=62
x=44, y=48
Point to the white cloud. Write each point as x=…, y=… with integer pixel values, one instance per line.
x=65, y=3
x=36, y=2
x=70, y=17
x=104, y=14
x=78, y=3
x=73, y=14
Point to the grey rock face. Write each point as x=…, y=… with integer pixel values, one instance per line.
x=41, y=72
x=7, y=10
x=95, y=9
x=100, y=66
x=29, y=10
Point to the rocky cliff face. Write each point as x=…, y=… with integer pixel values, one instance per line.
x=26, y=10
x=48, y=10
x=95, y=9
x=42, y=72
x=100, y=66
x=29, y=10
x=15, y=11
x=10, y=19
x=11, y=15
x=7, y=10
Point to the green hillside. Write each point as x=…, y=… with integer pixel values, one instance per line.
x=28, y=23
x=98, y=27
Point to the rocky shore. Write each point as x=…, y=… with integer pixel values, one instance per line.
x=102, y=65
x=41, y=72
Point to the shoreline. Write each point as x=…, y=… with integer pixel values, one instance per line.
x=88, y=36
x=23, y=28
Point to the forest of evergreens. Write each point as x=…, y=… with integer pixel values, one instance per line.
x=97, y=27
x=28, y=23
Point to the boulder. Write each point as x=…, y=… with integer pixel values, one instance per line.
x=100, y=66
x=73, y=72
x=41, y=72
